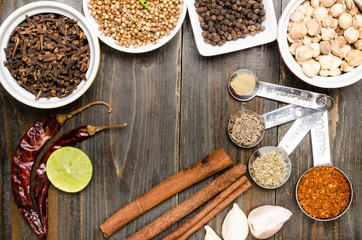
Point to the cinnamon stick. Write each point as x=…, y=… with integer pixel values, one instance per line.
x=190, y=204
x=211, y=164
x=216, y=210
x=203, y=212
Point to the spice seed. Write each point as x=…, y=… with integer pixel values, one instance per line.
x=269, y=169
x=246, y=128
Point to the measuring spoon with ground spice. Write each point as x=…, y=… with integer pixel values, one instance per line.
x=270, y=166
x=246, y=128
x=244, y=85
x=323, y=193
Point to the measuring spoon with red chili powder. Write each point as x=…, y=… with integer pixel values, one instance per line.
x=323, y=193
x=41, y=182
x=25, y=155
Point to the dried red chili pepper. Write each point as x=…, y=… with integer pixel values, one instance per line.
x=41, y=182
x=24, y=157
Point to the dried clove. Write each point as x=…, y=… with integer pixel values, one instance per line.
x=48, y=55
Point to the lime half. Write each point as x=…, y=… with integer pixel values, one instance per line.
x=69, y=169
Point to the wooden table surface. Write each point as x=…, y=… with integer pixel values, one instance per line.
x=177, y=108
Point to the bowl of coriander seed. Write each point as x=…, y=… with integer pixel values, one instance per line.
x=135, y=26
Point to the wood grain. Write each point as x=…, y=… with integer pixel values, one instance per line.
x=177, y=108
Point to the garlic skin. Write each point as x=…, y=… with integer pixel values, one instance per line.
x=304, y=53
x=354, y=58
x=235, y=225
x=345, y=20
x=351, y=34
x=337, y=9
x=210, y=234
x=265, y=221
x=311, y=68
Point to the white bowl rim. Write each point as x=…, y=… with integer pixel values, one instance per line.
x=343, y=80
x=143, y=49
x=18, y=16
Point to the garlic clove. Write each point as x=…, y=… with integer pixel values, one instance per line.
x=349, y=4
x=294, y=47
x=328, y=34
x=314, y=3
x=351, y=34
x=304, y=53
x=354, y=58
x=327, y=3
x=325, y=61
x=330, y=22
x=316, y=49
x=296, y=16
x=358, y=44
x=335, y=63
x=345, y=20
x=337, y=9
x=301, y=9
x=353, y=11
x=357, y=21
x=335, y=72
x=345, y=67
x=320, y=13
x=324, y=73
x=210, y=234
x=311, y=68
x=314, y=27
x=235, y=225
x=307, y=40
x=325, y=47
x=297, y=30
x=265, y=221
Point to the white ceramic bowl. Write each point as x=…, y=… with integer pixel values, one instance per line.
x=150, y=47
x=18, y=16
x=268, y=35
x=343, y=80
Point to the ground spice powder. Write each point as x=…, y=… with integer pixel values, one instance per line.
x=243, y=84
x=324, y=192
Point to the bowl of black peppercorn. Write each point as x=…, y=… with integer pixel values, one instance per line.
x=221, y=27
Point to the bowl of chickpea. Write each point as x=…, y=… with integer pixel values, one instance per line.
x=135, y=26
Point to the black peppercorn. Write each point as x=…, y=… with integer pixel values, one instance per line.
x=226, y=20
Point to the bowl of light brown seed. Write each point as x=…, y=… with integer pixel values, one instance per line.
x=135, y=26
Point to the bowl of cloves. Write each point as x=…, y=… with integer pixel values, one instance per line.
x=320, y=41
x=49, y=54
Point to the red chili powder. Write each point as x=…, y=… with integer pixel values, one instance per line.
x=324, y=192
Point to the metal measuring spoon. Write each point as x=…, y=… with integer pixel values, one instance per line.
x=290, y=141
x=279, y=93
x=269, y=120
x=322, y=157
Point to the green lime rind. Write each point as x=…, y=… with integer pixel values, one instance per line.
x=69, y=169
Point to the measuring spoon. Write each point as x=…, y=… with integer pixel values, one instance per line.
x=290, y=141
x=322, y=157
x=267, y=120
x=279, y=93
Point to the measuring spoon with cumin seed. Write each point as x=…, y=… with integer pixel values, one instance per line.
x=322, y=158
x=268, y=120
x=290, y=141
x=280, y=93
